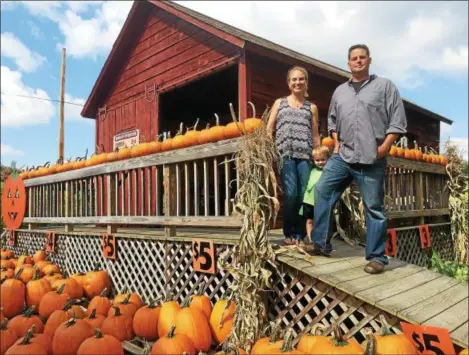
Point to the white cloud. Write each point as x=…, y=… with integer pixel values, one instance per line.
x=462, y=143
x=445, y=130
x=19, y=111
x=9, y=151
x=35, y=30
x=72, y=112
x=24, y=58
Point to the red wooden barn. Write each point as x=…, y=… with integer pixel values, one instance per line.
x=171, y=64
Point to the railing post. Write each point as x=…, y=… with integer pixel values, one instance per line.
x=170, y=198
x=419, y=202
x=111, y=201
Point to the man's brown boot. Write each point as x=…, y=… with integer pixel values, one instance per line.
x=374, y=267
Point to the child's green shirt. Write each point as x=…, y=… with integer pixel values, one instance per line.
x=309, y=192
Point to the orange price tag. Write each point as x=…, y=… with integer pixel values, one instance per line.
x=50, y=242
x=425, y=241
x=203, y=256
x=11, y=237
x=391, y=243
x=109, y=244
x=429, y=340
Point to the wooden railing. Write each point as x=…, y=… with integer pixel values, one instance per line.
x=194, y=187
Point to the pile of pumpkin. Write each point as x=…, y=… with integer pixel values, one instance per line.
x=191, y=137
x=401, y=150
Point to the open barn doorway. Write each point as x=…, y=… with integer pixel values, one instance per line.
x=202, y=99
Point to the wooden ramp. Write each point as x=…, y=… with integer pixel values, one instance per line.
x=411, y=293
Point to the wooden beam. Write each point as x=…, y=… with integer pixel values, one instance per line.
x=418, y=213
x=242, y=88
x=416, y=165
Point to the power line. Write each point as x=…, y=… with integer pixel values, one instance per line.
x=41, y=98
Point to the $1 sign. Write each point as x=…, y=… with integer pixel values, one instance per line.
x=429, y=340
x=203, y=256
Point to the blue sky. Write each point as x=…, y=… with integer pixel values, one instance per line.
x=425, y=58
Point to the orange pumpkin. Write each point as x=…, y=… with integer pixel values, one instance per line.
x=167, y=318
x=72, y=287
x=42, y=339
x=134, y=298
x=221, y=319
x=70, y=335
x=25, y=259
x=12, y=295
x=201, y=302
x=26, y=346
x=464, y=352
x=268, y=344
x=95, y=320
x=7, y=273
x=155, y=146
x=7, y=336
x=36, y=289
x=100, y=304
x=393, y=151
x=23, y=322
x=417, y=152
x=141, y=149
x=53, y=277
x=39, y=256
x=58, y=317
x=179, y=140
x=27, y=274
x=217, y=132
x=204, y=136
x=252, y=123
x=7, y=264
x=50, y=269
x=123, y=153
x=113, y=156
x=145, y=321
x=95, y=282
x=126, y=307
x=234, y=129
x=192, y=135
x=79, y=277
x=119, y=326
x=231, y=350
x=173, y=344
x=101, y=345
x=7, y=254
x=53, y=300
x=328, y=142
x=167, y=142
x=41, y=264
x=78, y=311
x=192, y=322
x=336, y=344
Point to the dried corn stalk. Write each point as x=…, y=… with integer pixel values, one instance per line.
x=458, y=200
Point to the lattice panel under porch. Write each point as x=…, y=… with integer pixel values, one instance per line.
x=302, y=301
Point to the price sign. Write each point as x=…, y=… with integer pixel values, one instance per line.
x=50, y=242
x=391, y=242
x=11, y=237
x=108, y=242
x=429, y=340
x=425, y=241
x=203, y=256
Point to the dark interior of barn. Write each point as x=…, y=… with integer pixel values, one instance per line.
x=200, y=99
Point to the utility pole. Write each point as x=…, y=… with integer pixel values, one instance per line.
x=61, y=111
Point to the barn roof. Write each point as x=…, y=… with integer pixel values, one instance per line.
x=232, y=34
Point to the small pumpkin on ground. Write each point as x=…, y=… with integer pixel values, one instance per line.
x=27, y=347
x=72, y=287
x=52, y=301
x=231, y=350
x=287, y=346
x=50, y=269
x=79, y=277
x=57, y=318
x=101, y=304
x=95, y=320
x=53, y=277
x=119, y=326
x=336, y=344
x=134, y=298
x=7, y=254
x=7, y=273
x=75, y=332
x=7, y=264
x=268, y=344
x=145, y=321
x=12, y=292
x=167, y=318
x=25, y=259
x=101, y=345
x=40, y=255
x=95, y=282
x=43, y=339
x=27, y=274
x=7, y=336
x=23, y=322
x=173, y=344
x=36, y=289
x=201, y=302
x=221, y=319
x=126, y=307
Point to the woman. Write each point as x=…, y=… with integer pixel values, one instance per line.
x=296, y=122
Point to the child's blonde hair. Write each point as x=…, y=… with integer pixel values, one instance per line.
x=322, y=151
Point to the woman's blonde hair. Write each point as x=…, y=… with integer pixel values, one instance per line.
x=305, y=73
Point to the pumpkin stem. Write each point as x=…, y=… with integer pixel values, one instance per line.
x=200, y=289
x=196, y=123
x=93, y=314
x=171, y=332
x=385, y=330
x=275, y=330
x=253, y=109
x=3, y=325
x=370, y=348
x=17, y=275
x=103, y=292
x=159, y=136
x=98, y=333
x=69, y=304
x=153, y=302
x=338, y=338
x=181, y=129
x=117, y=311
x=220, y=325
x=317, y=329
x=126, y=299
x=186, y=302
x=217, y=119
x=71, y=321
x=287, y=344
x=61, y=289
x=28, y=336
x=29, y=312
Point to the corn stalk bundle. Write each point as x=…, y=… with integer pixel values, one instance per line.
x=458, y=200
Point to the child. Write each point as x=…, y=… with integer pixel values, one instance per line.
x=320, y=156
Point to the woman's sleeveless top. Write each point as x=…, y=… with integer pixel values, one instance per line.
x=293, y=131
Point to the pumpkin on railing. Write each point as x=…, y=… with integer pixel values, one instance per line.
x=217, y=132
x=155, y=146
x=179, y=141
x=167, y=142
x=192, y=135
x=234, y=129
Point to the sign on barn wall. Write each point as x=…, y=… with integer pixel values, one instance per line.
x=128, y=138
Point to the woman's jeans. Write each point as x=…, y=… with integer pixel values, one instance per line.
x=294, y=176
x=336, y=176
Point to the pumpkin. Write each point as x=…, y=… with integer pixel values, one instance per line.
x=464, y=352
x=140, y=149
x=53, y=300
x=53, y=168
x=7, y=273
x=393, y=151
x=40, y=255
x=57, y=318
x=7, y=254
x=12, y=295
x=337, y=344
x=70, y=335
x=27, y=274
x=52, y=277
x=26, y=346
x=192, y=322
x=417, y=152
x=443, y=161
x=7, y=264
x=100, y=304
x=119, y=326
x=36, y=289
x=234, y=129
x=201, y=302
x=217, y=132
x=95, y=282
x=155, y=146
x=328, y=142
x=315, y=337
x=252, y=123
x=123, y=153
x=179, y=140
x=13, y=201
x=41, y=264
x=113, y=156
x=167, y=317
x=23, y=322
x=167, y=142
x=101, y=344
x=145, y=321
x=134, y=298
x=192, y=135
x=42, y=339
x=50, y=269
x=126, y=307
x=387, y=343
x=79, y=277
x=72, y=287
x=268, y=344
x=7, y=336
x=95, y=320
x=78, y=311
x=287, y=345
x=173, y=344
x=221, y=319
x=204, y=136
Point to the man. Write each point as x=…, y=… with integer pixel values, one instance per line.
x=366, y=116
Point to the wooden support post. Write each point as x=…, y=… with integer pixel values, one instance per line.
x=242, y=88
x=111, y=196
x=61, y=111
x=170, y=198
x=419, y=203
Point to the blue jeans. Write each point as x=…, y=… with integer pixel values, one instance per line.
x=336, y=176
x=294, y=176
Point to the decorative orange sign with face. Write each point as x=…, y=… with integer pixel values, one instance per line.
x=13, y=201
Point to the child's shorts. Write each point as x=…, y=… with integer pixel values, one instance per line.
x=308, y=211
